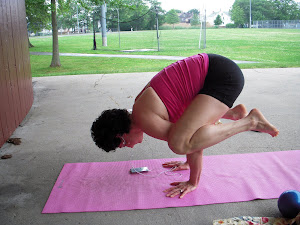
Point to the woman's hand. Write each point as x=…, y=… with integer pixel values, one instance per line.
x=180, y=188
x=176, y=165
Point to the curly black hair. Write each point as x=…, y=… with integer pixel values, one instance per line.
x=107, y=128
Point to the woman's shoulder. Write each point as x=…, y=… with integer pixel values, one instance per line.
x=149, y=102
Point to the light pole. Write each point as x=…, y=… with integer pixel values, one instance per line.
x=250, y=14
x=157, y=35
x=103, y=24
x=119, y=28
x=200, y=34
x=77, y=20
x=203, y=27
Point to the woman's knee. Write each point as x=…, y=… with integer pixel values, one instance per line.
x=179, y=146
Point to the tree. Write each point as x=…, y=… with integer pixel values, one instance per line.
x=264, y=10
x=67, y=19
x=151, y=17
x=35, y=11
x=285, y=10
x=194, y=11
x=63, y=6
x=172, y=17
x=138, y=18
x=94, y=32
x=195, y=18
x=55, y=50
x=37, y=16
x=260, y=10
x=135, y=14
x=237, y=15
x=96, y=12
x=155, y=8
x=218, y=21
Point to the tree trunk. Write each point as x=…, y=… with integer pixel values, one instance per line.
x=94, y=31
x=95, y=44
x=55, y=51
x=29, y=44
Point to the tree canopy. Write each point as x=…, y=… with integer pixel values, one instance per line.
x=141, y=14
x=264, y=10
x=218, y=21
x=195, y=20
x=172, y=17
x=286, y=10
x=37, y=15
x=136, y=14
x=138, y=17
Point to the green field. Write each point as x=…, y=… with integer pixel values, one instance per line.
x=272, y=48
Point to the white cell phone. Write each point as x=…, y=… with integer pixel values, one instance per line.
x=139, y=170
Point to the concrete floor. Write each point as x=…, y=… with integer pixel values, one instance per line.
x=57, y=131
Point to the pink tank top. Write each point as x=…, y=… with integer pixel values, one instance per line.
x=179, y=83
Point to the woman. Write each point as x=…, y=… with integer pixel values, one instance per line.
x=181, y=105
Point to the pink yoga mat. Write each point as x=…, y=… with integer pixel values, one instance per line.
x=108, y=186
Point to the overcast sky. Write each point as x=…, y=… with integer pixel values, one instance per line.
x=186, y=5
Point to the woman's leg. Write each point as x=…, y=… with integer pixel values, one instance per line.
x=195, y=129
x=236, y=113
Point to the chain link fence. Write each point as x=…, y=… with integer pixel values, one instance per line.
x=283, y=24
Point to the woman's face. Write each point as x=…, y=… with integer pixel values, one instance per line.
x=135, y=136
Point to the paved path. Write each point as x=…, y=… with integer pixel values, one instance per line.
x=126, y=56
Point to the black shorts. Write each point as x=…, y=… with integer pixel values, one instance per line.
x=224, y=80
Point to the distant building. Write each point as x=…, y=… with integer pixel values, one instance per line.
x=185, y=17
x=224, y=16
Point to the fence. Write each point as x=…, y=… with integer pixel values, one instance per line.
x=16, y=94
x=284, y=24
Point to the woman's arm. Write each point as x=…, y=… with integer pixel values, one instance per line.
x=182, y=188
x=150, y=115
x=155, y=126
x=195, y=162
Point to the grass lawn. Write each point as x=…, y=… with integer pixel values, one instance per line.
x=273, y=48
x=40, y=65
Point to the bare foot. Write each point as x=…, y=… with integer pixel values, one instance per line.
x=236, y=113
x=261, y=123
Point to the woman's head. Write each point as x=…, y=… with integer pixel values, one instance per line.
x=108, y=128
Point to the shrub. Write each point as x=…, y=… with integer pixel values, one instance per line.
x=230, y=25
